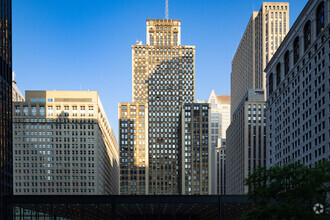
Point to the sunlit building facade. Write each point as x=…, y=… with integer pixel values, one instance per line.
x=263, y=35
x=64, y=144
x=163, y=78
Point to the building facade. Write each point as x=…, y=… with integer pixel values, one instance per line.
x=220, y=168
x=263, y=35
x=64, y=144
x=196, y=148
x=17, y=95
x=246, y=141
x=133, y=147
x=298, y=91
x=220, y=120
x=163, y=79
x=6, y=145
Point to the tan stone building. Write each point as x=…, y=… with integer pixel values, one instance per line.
x=263, y=35
x=64, y=144
x=163, y=78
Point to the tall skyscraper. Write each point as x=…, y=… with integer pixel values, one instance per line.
x=298, y=91
x=64, y=144
x=6, y=145
x=163, y=75
x=263, y=35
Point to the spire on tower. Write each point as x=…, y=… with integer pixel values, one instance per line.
x=166, y=9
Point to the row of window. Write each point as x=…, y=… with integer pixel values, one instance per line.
x=307, y=41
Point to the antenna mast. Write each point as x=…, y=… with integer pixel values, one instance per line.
x=166, y=9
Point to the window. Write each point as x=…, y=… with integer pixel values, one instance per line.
x=307, y=35
x=270, y=82
x=320, y=19
x=286, y=62
x=278, y=74
x=50, y=111
x=49, y=100
x=296, y=50
x=41, y=100
x=42, y=110
x=33, y=99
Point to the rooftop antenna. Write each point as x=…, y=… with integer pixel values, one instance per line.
x=166, y=9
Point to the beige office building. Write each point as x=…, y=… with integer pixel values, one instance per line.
x=163, y=78
x=63, y=144
x=263, y=35
x=246, y=141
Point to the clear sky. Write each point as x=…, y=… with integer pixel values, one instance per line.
x=86, y=44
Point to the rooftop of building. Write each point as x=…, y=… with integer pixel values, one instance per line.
x=223, y=99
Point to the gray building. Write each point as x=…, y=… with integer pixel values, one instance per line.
x=246, y=141
x=220, y=168
x=298, y=91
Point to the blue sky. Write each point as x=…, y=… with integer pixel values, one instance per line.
x=84, y=44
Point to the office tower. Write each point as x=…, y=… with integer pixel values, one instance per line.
x=195, y=142
x=246, y=141
x=220, y=120
x=6, y=145
x=163, y=77
x=220, y=168
x=263, y=35
x=17, y=95
x=298, y=91
x=64, y=144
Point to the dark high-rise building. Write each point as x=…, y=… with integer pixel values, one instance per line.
x=6, y=170
x=195, y=163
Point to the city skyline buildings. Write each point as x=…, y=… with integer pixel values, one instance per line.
x=105, y=53
x=160, y=151
x=246, y=135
